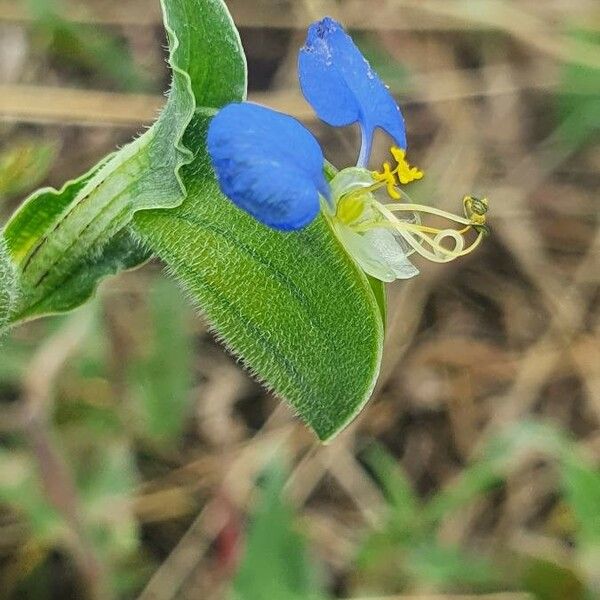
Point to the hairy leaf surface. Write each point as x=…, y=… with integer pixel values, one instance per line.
x=294, y=306
x=7, y=285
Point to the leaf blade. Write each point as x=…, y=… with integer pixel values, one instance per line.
x=294, y=306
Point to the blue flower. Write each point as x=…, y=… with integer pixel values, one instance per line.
x=272, y=167
x=269, y=164
x=342, y=88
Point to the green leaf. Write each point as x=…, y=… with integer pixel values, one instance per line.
x=294, y=306
x=163, y=377
x=57, y=233
x=276, y=563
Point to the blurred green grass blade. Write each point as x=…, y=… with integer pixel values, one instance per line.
x=579, y=96
x=276, y=563
x=23, y=166
x=15, y=358
x=581, y=485
x=163, y=378
x=398, y=489
x=395, y=74
x=490, y=469
x=546, y=580
x=447, y=568
x=405, y=551
x=110, y=479
x=20, y=489
x=99, y=52
x=88, y=47
x=582, y=492
x=477, y=478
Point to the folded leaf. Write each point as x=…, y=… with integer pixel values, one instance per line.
x=51, y=287
x=57, y=233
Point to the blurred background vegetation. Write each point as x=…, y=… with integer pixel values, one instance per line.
x=137, y=459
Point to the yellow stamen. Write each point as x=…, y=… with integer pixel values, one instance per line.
x=406, y=174
x=402, y=174
x=417, y=237
x=362, y=212
x=388, y=177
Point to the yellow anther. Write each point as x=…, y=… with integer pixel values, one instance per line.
x=402, y=174
x=475, y=210
x=388, y=177
x=406, y=174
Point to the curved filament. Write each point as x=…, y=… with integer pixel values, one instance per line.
x=419, y=236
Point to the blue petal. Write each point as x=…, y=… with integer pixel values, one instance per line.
x=268, y=164
x=339, y=83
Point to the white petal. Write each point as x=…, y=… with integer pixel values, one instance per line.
x=378, y=253
x=391, y=251
x=349, y=180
